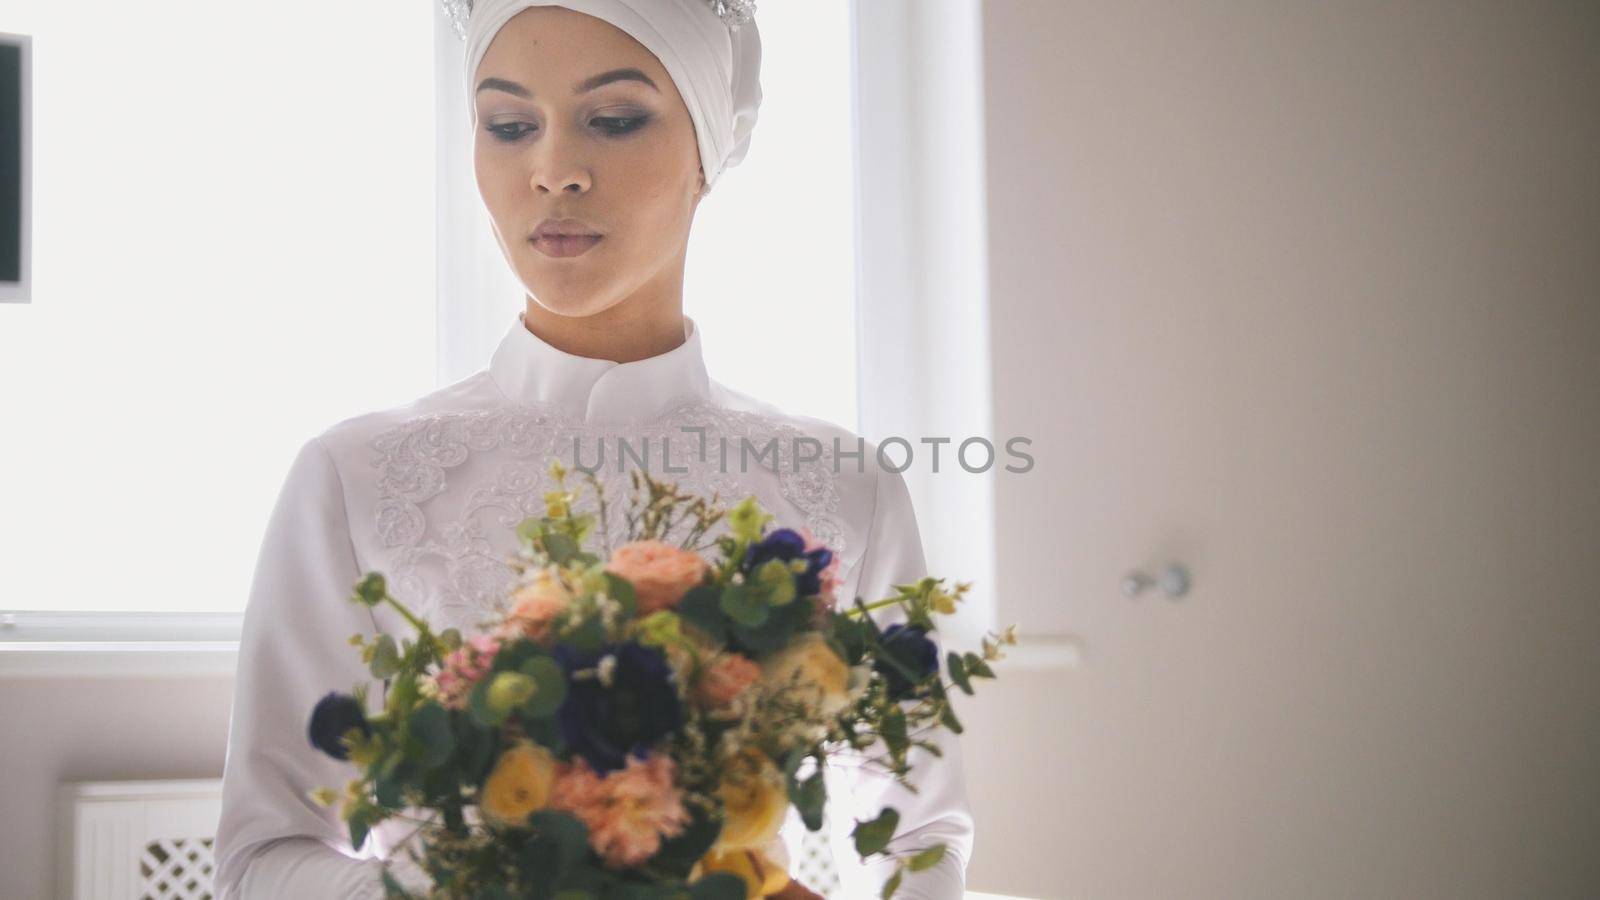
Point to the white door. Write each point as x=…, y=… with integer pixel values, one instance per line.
x=1305, y=297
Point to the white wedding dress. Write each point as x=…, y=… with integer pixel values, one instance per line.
x=429, y=494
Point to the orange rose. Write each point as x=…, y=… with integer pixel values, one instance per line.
x=535, y=605
x=659, y=572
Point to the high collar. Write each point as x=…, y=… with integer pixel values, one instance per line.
x=531, y=372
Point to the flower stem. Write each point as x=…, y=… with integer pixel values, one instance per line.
x=877, y=604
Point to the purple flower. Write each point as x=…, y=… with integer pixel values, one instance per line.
x=334, y=716
x=910, y=645
x=786, y=544
x=616, y=708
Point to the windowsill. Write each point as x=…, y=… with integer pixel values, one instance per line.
x=36, y=644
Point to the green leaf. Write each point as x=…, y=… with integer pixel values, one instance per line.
x=744, y=605
x=360, y=824
x=570, y=835
x=621, y=590
x=560, y=548
x=871, y=837
x=660, y=628
x=430, y=726
x=701, y=608
x=775, y=582
x=893, y=884
x=679, y=854
x=947, y=715
x=775, y=633
x=551, y=690
x=927, y=859
x=385, y=657
x=958, y=672
x=893, y=729
x=718, y=886
x=808, y=797
x=849, y=638
x=529, y=529
x=480, y=710
x=977, y=666
x=386, y=790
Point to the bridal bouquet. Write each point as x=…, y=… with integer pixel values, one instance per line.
x=636, y=723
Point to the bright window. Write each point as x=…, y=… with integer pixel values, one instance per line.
x=233, y=235
x=234, y=214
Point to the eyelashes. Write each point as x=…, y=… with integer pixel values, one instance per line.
x=611, y=126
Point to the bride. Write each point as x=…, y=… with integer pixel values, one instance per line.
x=598, y=125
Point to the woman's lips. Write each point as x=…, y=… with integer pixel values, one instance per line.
x=564, y=244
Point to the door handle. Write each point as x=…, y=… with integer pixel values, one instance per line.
x=1174, y=581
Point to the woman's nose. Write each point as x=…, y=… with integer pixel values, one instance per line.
x=556, y=167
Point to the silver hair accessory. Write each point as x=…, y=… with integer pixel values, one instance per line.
x=733, y=12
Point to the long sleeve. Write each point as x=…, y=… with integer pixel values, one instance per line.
x=272, y=840
x=939, y=811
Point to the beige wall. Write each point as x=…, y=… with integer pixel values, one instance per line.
x=1362, y=240
x=94, y=729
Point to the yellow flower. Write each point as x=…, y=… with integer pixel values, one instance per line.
x=519, y=784
x=762, y=876
x=754, y=802
x=811, y=672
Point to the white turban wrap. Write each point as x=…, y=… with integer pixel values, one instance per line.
x=717, y=69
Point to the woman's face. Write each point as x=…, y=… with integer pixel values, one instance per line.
x=619, y=157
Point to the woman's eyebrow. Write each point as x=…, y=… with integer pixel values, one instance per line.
x=588, y=84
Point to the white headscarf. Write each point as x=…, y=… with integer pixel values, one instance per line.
x=716, y=68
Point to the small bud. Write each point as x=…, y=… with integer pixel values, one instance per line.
x=510, y=690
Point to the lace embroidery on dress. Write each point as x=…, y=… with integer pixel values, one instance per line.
x=452, y=562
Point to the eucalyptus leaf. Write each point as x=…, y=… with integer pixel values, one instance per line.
x=927, y=859
x=430, y=726
x=893, y=884
x=958, y=672
x=480, y=710
x=551, y=690
x=744, y=605
x=871, y=837
x=977, y=666
x=701, y=607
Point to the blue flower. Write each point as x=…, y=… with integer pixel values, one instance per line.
x=617, y=708
x=787, y=544
x=334, y=715
x=910, y=645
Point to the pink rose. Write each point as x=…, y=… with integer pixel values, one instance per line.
x=725, y=679
x=659, y=572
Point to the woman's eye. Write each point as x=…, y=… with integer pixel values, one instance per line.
x=506, y=132
x=615, y=125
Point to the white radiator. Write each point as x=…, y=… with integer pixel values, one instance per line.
x=137, y=840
